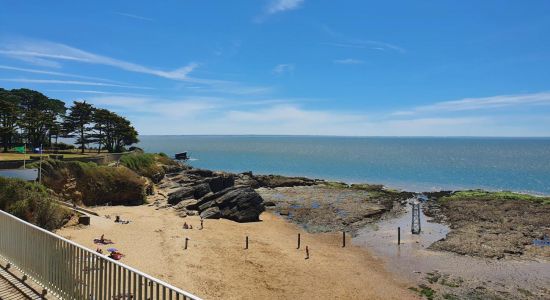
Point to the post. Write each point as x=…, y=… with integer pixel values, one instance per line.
x=398, y=235
x=246, y=243
x=40, y=166
x=307, y=252
x=298, y=241
x=185, y=247
x=24, y=155
x=343, y=239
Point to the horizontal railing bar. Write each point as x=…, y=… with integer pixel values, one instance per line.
x=91, y=254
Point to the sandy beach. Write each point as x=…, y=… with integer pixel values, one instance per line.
x=216, y=265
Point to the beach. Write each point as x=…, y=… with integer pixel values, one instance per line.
x=216, y=265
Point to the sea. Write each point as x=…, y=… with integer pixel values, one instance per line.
x=408, y=163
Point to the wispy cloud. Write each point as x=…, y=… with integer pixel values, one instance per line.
x=35, y=71
x=349, y=61
x=133, y=16
x=51, y=53
x=469, y=104
x=281, y=69
x=343, y=41
x=277, y=6
x=72, y=82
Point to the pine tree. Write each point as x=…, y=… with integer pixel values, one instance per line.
x=78, y=123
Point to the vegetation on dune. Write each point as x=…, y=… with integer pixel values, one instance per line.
x=503, y=195
x=32, y=203
x=147, y=164
x=90, y=184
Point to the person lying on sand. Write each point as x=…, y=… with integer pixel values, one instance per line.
x=103, y=240
x=119, y=220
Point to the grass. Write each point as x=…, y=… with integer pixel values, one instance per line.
x=147, y=164
x=21, y=156
x=425, y=291
x=503, y=195
x=32, y=203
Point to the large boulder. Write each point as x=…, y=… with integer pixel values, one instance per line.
x=221, y=182
x=241, y=204
x=188, y=192
x=211, y=213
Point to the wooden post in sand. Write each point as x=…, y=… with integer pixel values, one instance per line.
x=298, y=241
x=398, y=235
x=307, y=252
x=246, y=243
x=343, y=239
x=185, y=247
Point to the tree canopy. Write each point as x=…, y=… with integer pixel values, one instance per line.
x=30, y=117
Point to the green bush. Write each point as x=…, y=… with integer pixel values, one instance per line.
x=91, y=184
x=32, y=203
x=147, y=164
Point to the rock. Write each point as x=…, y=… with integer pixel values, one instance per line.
x=269, y=203
x=273, y=181
x=211, y=213
x=241, y=204
x=219, y=183
x=200, y=172
x=186, y=204
x=186, y=192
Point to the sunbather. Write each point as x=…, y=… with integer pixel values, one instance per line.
x=185, y=226
x=103, y=240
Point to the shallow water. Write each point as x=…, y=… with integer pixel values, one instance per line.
x=415, y=164
x=412, y=260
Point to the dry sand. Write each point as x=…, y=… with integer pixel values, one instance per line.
x=216, y=265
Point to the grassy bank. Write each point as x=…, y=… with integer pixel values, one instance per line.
x=90, y=184
x=32, y=203
x=147, y=164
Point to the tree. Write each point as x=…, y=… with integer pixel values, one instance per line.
x=113, y=131
x=77, y=123
x=9, y=114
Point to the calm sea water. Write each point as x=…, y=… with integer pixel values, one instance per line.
x=416, y=164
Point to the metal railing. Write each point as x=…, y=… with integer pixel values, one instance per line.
x=71, y=271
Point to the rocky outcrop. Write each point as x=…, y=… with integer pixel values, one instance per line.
x=273, y=181
x=213, y=195
x=241, y=204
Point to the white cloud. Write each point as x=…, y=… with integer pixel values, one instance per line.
x=45, y=52
x=349, y=61
x=469, y=104
x=281, y=69
x=277, y=6
x=72, y=82
x=133, y=16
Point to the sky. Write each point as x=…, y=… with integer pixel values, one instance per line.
x=290, y=67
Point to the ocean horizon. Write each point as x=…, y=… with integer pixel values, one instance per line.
x=520, y=164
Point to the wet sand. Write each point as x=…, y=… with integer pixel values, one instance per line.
x=216, y=266
x=507, y=278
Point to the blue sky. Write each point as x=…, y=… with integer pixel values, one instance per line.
x=367, y=68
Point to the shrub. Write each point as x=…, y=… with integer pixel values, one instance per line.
x=147, y=164
x=63, y=146
x=32, y=203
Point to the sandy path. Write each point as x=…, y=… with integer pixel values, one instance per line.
x=216, y=265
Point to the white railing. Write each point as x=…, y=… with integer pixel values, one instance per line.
x=70, y=271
